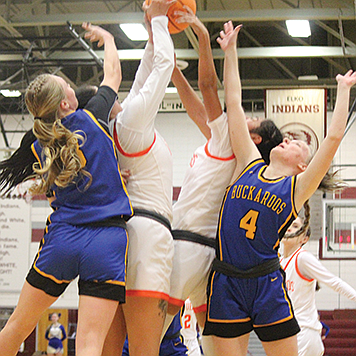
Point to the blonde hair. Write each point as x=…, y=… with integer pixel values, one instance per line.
x=60, y=146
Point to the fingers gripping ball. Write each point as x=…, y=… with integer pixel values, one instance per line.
x=173, y=26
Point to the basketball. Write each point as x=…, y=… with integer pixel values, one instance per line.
x=173, y=26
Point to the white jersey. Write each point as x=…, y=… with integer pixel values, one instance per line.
x=189, y=330
x=197, y=210
x=141, y=148
x=302, y=271
x=206, y=179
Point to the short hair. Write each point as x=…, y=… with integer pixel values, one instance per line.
x=84, y=94
x=271, y=137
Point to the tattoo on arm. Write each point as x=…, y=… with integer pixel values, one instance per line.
x=162, y=305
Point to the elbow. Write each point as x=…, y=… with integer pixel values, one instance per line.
x=205, y=85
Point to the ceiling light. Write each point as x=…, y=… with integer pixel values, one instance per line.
x=298, y=28
x=135, y=31
x=171, y=90
x=10, y=93
x=308, y=77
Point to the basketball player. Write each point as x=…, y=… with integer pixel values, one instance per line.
x=195, y=214
x=246, y=290
x=303, y=271
x=143, y=151
x=85, y=234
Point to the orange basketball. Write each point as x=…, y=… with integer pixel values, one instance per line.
x=173, y=26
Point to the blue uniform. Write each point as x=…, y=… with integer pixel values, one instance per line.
x=171, y=344
x=254, y=216
x=86, y=233
x=55, y=334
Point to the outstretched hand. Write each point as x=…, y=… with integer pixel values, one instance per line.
x=228, y=37
x=348, y=80
x=96, y=33
x=158, y=7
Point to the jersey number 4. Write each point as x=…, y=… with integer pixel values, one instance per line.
x=248, y=223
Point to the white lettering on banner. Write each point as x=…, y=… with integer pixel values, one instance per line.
x=15, y=239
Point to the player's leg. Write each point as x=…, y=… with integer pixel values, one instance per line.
x=231, y=346
x=144, y=321
x=32, y=303
x=284, y=347
x=172, y=311
x=95, y=316
x=115, y=338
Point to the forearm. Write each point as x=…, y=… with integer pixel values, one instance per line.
x=144, y=69
x=311, y=267
x=339, y=118
x=192, y=103
x=112, y=66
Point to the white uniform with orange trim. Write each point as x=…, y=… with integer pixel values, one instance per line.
x=144, y=152
x=189, y=330
x=302, y=271
x=197, y=210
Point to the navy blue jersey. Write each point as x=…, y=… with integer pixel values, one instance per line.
x=106, y=197
x=254, y=216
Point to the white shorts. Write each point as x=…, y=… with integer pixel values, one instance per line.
x=191, y=267
x=193, y=347
x=52, y=350
x=309, y=342
x=150, y=257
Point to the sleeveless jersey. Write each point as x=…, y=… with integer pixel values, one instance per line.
x=254, y=216
x=106, y=197
x=301, y=291
x=206, y=179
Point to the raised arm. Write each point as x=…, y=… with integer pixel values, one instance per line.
x=146, y=63
x=243, y=147
x=308, y=181
x=207, y=78
x=192, y=103
x=112, y=67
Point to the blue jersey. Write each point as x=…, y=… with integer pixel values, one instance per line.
x=106, y=197
x=254, y=216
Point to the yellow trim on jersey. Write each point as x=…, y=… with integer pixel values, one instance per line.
x=265, y=180
x=293, y=213
x=126, y=252
x=35, y=154
x=114, y=149
x=219, y=224
x=249, y=166
x=118, y=283
x=294, y=210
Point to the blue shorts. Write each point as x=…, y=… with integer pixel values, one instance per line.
x=169, y=347
x=97, y=254
x=237, y=306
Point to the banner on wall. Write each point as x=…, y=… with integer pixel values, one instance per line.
x=299, y=113
x=15, y=237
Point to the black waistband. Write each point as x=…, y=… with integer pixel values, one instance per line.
x=154, y=216
x=193, y=237
x=115, y=221
x=258, y=271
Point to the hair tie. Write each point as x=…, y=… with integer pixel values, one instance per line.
x=37, y=118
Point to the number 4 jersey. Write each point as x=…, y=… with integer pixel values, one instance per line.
x=254, y=216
